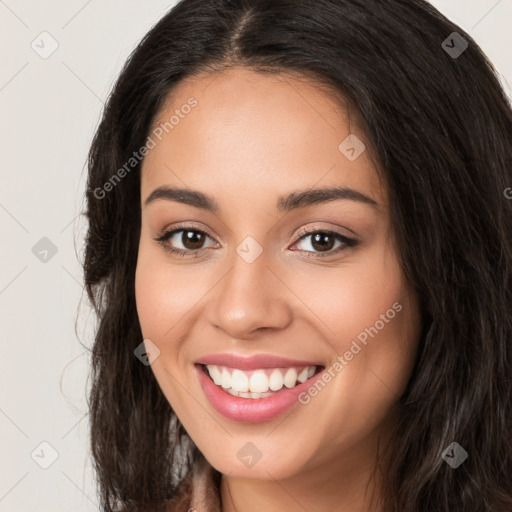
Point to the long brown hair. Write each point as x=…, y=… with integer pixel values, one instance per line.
x=439, y=125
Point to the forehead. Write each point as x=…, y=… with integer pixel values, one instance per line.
x=256, y=135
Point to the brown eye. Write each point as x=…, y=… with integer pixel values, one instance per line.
x=184, y=241
x=321, y=243
x=192, y=239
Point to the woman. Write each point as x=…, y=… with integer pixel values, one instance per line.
x=299, y=251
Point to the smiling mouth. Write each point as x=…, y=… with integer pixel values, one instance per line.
x=259, y=383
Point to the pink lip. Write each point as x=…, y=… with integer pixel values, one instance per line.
x=249, y=410
x=253, y=362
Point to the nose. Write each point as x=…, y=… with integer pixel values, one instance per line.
x=251, y=297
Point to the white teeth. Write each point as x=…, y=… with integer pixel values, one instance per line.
x=239, y=381
x=249, y=394
x=258, y=383
x=290, y=378
x=276, y=381
x=225, y=379
x=215, y=375
x=303, y=375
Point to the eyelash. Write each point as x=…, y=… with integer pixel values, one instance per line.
x=164, y=237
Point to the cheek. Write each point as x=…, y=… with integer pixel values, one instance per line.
x=164, y=297
x=374, y=323
x=371, y=319
x=164, y=294
x=349, y=301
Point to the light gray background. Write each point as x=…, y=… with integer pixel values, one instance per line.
x=49, y=111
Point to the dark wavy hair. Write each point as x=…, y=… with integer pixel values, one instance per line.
x=439, y=127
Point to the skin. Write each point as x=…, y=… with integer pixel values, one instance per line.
x=250, y=139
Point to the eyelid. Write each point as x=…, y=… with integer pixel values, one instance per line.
x=315, y=229
x=183, y=227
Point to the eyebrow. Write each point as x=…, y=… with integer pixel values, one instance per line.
x=286, y=203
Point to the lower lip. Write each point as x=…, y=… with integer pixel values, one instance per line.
x=251, y=410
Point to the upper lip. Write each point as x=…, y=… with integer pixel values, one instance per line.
x=253, y=362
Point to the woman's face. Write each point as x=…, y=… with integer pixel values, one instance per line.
x=333, y=303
